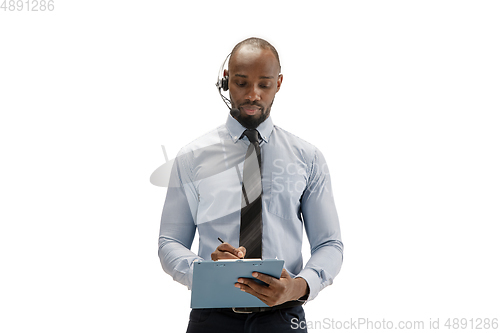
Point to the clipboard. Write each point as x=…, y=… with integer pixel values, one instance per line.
x=213, y=282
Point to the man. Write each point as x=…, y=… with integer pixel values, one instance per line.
x=257, y=216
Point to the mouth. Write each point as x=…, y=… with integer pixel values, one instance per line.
x=250, y=109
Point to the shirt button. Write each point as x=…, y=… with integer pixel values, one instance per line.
x=235, y=138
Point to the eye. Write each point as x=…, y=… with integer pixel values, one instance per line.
x=240, y=84
x=265, y=84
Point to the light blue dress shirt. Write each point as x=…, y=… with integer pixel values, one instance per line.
x=205, y=193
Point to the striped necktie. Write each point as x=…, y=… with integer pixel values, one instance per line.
x=251, y=200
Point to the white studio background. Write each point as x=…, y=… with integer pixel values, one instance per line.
x=401, y=97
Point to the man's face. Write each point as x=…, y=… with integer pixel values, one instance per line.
x=254, y=79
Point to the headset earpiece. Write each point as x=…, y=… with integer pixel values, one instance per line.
x=225, y=83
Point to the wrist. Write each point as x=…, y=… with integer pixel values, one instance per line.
x=302, y=288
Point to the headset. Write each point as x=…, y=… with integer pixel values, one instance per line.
x=223, y=83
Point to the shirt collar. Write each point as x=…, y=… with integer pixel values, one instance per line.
x=236, y=130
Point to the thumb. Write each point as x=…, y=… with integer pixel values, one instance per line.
x=284, y=274
x=243, y=250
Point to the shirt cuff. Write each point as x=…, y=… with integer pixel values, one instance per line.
x=183, y=271
x=313, y=281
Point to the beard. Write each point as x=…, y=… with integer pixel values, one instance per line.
x=252, y=122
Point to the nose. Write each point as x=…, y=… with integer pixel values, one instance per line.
x=254, y=93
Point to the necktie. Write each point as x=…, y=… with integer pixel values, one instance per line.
x=251, y=200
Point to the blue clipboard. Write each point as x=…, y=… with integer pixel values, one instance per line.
x=213, y=282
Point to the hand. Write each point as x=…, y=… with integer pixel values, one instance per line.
x=227, y=251
x=278, y=291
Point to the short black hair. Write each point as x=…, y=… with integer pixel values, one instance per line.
x=257, y=43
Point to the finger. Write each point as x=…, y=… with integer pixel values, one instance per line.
x=271, y=281
x=243, y=251
x=250, y=290
x=226, y=247
x=255, y=286
x=224, y=255
x=284, y=274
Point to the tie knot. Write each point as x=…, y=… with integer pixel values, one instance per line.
x=252, y=135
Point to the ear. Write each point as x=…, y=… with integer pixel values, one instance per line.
x=280, y=79
x=226, y=73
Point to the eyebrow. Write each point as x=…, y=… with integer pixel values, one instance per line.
x=260, y=77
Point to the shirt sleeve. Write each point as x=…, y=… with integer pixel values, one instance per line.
x=177, y=227
x=322, y=227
